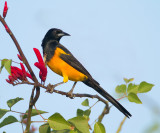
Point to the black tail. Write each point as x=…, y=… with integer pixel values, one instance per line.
x=95, y=85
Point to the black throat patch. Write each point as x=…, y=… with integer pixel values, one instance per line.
x=49, y=49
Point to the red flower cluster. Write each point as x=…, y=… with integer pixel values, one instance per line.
x=18, y=74
x=5, y=9
x=21, y=74
x=41, y=65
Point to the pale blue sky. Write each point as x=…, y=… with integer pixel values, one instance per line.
x=112, y=39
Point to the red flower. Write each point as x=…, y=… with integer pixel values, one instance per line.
x=29, y=75
x=33, y=129
x=9, y=81
x=17, y=73
x=42, y=72
x=23, y=71
x=20, y=73
x=19, y=57
x=41, y=65
x=5, y=9
x=39, y=57
x=24, y=121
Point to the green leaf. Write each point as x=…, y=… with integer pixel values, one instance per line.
x=132, y=88
x=99, y=128
x=11, y=102
x=87, y=112
x=8, y=120
x=74, y=131
x=45, y=128
x=57, y=122
x=79, y=112
x=7, y=66
x=132, y=97
x=128, y=80
x=144, y=87
x=2, y=64
x=121, y=88
x=62, y=131
x=85, y=102
x=34, y=113
x=80, y=123
x=3, y=112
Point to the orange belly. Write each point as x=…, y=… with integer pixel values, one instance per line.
x=60, y=67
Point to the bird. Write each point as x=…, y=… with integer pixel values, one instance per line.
x=61, y=61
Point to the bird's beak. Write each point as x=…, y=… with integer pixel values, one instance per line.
x=63, y=34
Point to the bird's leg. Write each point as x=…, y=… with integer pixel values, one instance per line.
x=50, y=87
x=70, y=92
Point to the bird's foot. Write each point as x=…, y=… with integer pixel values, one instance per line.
x=70, y=94
x=50, y=88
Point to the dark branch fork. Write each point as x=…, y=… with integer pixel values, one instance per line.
x=33, y=98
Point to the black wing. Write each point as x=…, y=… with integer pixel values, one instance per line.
x=71, y=60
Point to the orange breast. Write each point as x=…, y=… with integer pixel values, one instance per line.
x=60, y=67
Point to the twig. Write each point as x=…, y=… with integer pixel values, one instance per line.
x=12, y=61
x=121, y=97
x=121, y=124
x=38, y=112
x=94, y=104
x=101, y=116
x=37, y=121
x=18, y=112
x=104, y=112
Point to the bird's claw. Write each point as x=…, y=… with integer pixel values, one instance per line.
x=70, y=95
x=50, y=88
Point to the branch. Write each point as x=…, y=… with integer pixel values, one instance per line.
x=104, y=112
x=33, y=99
x=65, y=93
x=30, y=112
x=19, y=49
x=23, y=57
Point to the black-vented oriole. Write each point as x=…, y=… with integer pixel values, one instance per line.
x=61, y=61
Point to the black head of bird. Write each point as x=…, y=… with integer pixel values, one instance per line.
x=54, y=34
